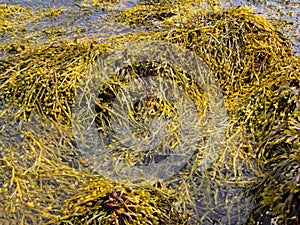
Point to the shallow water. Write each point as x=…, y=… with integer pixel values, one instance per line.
x=74, y=22
x=91, y=23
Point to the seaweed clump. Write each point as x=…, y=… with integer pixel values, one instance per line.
x=259, y=78
x=122, y=205
x=258, y=74
x=42, y=76
x=46, y=178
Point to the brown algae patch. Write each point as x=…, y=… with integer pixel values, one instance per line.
x=46, y=179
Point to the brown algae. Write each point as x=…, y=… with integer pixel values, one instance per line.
x=45, y=178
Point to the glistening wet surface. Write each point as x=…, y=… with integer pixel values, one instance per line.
x=46, y=48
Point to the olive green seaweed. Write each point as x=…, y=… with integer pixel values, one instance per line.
x=46, y=179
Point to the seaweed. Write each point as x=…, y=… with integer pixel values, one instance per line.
x=51, y=173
